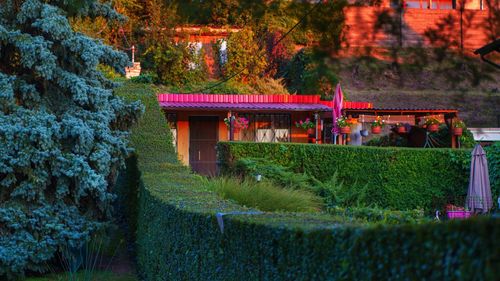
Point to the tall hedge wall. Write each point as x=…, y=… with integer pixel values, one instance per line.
x=397, y=178
x=178, y=237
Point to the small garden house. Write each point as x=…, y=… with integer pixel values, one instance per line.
x=199, y=121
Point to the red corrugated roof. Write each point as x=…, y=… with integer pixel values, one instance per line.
x=252, y=102
x=277, y=106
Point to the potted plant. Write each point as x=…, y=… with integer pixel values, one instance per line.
x=307, y=124
x=344, y=125
x=400, y=128
x=458, y=127
x=238, y=123
x=456, y=212
x=377, y=125
x=432, y=124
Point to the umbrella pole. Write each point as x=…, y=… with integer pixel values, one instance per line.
x=334, y=138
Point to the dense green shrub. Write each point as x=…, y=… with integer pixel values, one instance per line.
x=396, y=178
x=333, y=191
x=145, y=78
x=264, y=195
x=493, y=157
x=377, y=215
x=176, y=63
x=245, y=58
x=310, y=72
x=251, y=167
x=178, y=236
x=268, y=86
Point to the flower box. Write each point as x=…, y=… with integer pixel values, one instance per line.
x=458, y=214
x=345, y=130
x=433, y=127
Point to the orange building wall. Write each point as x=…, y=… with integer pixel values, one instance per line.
x=361, y=33
x=183, y=131
x=298, y=135
x=207, y=36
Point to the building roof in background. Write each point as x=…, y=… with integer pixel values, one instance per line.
x=488, y=49
x=400, y=111
x=245, y=106
x=205, y=30
x=485, y=134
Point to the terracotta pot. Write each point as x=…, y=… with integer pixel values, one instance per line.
x=457, y=131
x=433, y=128
x=345, y=130
x=376, y=130
x=401, y=129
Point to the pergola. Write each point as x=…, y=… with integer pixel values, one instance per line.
x=417, y=113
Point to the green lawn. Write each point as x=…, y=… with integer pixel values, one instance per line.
x=96, y=276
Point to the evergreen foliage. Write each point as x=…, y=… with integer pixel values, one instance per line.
x=63, y=134
x=285, y=246
x=394, y=178
x=310, y=72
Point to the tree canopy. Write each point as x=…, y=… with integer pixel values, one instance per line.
x=63, y=134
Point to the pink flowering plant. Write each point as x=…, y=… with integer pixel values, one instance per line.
x=239, y=122
x=305, y=124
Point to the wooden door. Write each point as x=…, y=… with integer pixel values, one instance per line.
x=203, y=137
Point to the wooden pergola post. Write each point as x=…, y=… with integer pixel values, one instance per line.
x=231, y=126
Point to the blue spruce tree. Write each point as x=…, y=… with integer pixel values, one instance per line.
x=63, y=134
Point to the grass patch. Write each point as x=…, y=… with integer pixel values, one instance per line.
x=80, y=276
x=265, y=196
x=176, y=204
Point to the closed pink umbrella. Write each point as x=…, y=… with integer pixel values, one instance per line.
x=479, y=199
x=338, y=99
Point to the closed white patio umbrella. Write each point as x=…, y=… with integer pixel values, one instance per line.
x=479, y=199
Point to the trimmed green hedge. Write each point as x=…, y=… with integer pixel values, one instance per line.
x=178, y=237
x=397, y=178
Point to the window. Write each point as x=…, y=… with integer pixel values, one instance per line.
x=222, y=52
x=266, y=128
x=194, y=49
x=428, y=4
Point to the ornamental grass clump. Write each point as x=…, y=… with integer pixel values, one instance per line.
x=264, y=195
